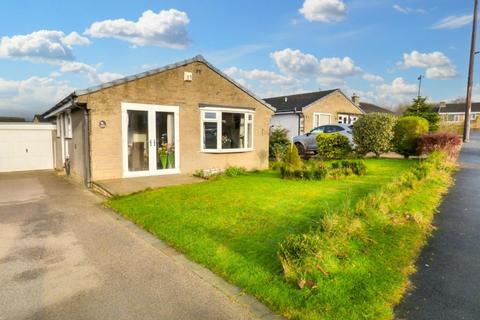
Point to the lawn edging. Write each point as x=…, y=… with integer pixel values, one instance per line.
x=234, y=293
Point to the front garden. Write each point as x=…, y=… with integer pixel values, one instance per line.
x=317, y=239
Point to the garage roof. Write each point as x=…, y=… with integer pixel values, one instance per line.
x=297, y=101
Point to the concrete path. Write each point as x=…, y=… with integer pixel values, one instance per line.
x=62, y=256
x=447, y=284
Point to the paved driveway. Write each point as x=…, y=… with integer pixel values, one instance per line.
x=62, y=256
x=447, y=285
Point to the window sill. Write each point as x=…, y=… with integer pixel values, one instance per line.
x=227, y=151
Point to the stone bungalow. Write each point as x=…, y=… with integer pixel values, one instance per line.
x=300, y=113
x=176, y=119
x=454, y=113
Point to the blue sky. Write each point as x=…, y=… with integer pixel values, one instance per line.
x=376, y=48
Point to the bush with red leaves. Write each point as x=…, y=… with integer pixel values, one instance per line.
x=447, y=142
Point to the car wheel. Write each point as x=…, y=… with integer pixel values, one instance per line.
x=300, y=148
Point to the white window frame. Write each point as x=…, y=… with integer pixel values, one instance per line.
x=68, y=124
x=218, y=120
x=315, y=114
x=456, y=117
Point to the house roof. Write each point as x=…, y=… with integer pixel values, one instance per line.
x=198, y=58
x=455, y=107
x=370, y=108
x=12, y=119
x=297, y=101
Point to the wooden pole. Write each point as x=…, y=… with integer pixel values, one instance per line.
x=468, y=105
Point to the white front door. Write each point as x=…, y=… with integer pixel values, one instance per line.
x=150, y=139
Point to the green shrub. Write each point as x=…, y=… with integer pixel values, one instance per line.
x=310, y=170
x=278, y=143
x=235, y=171
x=421, y=108
x=333, y=146
x=292, y=158
x=348, y=167
x=406, y=134
x=373, y=132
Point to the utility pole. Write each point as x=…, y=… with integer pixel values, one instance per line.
x=468, y=105
x=419, y=85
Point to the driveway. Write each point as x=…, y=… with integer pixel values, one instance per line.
x=63, y=256
x=447, y=285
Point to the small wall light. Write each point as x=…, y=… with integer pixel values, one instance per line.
x=102, y=124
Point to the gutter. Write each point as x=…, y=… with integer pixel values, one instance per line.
x=86, y=148
x=60, y=107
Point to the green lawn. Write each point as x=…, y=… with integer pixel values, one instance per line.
x=234, y=225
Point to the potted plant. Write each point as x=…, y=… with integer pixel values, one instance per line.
x=162, y=154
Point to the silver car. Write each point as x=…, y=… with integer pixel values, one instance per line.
x=308, y=142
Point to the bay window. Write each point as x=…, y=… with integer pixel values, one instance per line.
x=226, y=130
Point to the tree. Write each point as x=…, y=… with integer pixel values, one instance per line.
x=407, y=131
x=279, y=143
x=373, y=132
x=420, y=108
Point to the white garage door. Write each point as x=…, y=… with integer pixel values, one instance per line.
x=26, y=147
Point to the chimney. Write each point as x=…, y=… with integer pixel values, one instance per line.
x=356, y=100
x=286, y=99
x=442, y=104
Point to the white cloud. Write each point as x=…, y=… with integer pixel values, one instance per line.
x=398, y=87
x=91, y=72
x=75, y=39
x=264, y=76
x=330, y=82
x=338, y=67
x=33, y=95
x=43, y=45
x=441, y=73
x=165, y=29
x=265, y=83
x=393, y=94
x=453, y=22
x=324, y=10
x=295, y=62
x=372, y=77
x=436, y=64
x=407, y=10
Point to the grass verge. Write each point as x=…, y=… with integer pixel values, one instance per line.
x=234, y=227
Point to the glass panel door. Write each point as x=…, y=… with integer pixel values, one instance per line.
x=150, y=139
x=138, y=141
x=165, y=140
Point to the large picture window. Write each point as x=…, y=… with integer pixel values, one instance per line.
x=227, y=130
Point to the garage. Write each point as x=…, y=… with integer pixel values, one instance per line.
x=26, y=146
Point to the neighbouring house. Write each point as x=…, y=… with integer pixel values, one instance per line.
x=372, y=108
x=179, y=118
x=454, y=113
x=300, y=113
x=11, y=119
x=38, y=118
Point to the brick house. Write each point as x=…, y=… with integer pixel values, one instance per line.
x=176, y=119
x=300, y=113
